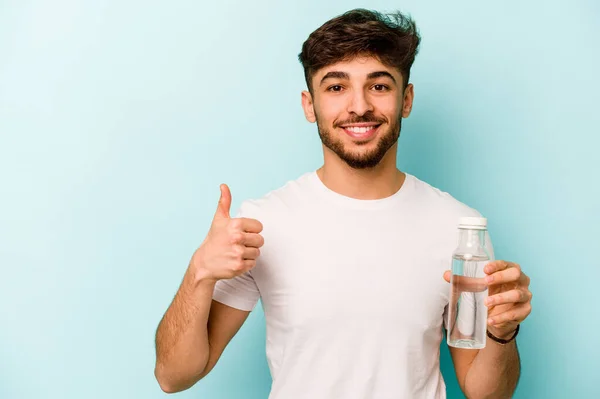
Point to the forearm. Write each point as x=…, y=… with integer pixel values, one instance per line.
x=182, y=348
x=494, y=372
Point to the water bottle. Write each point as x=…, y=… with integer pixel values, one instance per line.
x=467, y=312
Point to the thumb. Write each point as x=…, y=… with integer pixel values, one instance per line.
x=224, y=203
x=447, y=274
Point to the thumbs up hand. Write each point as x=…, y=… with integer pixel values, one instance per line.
x=231, y=246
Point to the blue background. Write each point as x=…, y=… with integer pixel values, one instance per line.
x=119, y=120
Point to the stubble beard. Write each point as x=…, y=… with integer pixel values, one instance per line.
x=362, y=160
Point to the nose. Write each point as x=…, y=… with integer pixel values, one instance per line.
x=359, y=103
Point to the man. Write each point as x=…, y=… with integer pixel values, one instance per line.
x=349, y=260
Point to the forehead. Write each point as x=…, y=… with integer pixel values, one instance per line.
x=358, y=67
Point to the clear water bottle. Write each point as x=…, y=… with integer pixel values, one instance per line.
x=467, y=312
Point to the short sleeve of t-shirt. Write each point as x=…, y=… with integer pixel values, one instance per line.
x=240, y=292
x=490, y=249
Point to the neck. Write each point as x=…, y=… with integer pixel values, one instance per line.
x=379, y=182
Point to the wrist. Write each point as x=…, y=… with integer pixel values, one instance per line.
x=503, y=337
x=198, y=276
x=198, y=272
x=502, y=334
x=203, y=277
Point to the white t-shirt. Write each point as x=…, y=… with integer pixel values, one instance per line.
x=352, y=290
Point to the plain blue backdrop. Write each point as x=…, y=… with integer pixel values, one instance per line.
x=119, y=120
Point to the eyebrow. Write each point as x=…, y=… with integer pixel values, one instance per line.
x=381, y=74
x=345, y=76
x=335, y=75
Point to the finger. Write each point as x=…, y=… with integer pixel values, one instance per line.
x=495, y=266
x=469, y=284
x=525, y=279
x=447, y=275
x=249, y=264
x=224, y=205
x=253, y=240
x=251, y=225
x=251, y=253
x=508, y=275
x=516, y=314
x=512, y=296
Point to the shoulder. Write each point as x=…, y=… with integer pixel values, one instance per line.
x=281, y=199
x=439, y=205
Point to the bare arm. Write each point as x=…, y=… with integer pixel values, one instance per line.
x=192, y=335
x=491, y=372
x=195, y=330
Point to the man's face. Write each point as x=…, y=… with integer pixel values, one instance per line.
x=358, y=106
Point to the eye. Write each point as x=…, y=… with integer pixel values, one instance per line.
x=380, y=87
x=335, y=88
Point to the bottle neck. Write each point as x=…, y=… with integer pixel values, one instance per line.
x=470, y=239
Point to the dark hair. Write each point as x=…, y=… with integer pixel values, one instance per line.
x=391, y=38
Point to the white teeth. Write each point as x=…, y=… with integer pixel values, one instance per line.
x=359, y=130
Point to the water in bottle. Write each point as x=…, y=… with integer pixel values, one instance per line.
x=467, y=312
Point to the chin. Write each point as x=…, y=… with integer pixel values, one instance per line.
x=362, y=164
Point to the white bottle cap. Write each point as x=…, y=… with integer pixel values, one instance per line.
x=472, y=223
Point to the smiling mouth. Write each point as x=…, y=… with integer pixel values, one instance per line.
x=361, y=130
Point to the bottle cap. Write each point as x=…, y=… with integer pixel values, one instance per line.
x=472, y=223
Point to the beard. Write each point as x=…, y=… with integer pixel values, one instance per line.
x=362, y=160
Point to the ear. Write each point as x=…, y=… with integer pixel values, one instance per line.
x=407, y=101
x=307, y=105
